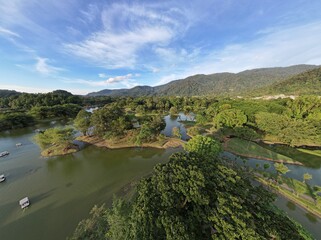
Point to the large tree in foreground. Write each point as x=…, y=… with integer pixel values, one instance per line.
x=197, y=196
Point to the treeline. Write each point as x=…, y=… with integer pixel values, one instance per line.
x=294, y=122
x=196, y=195
x=24, y=109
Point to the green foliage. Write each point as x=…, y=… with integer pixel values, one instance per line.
x=271, y=123
x=110, y=121
x=302, y=106
x=230, y=118
x=192, y=197
x=15, y=120
x=65, y=110
x=82, y=121
x=176, y=132
x=215, y=84
x=27, y=100
x=54, y=136
x=307, y=177
x=173, y=111
x=94, y=227
x=281, y=168
x=150, y=129
x=203, y=146
x=246, y=133
x=308, y=82
x=266, y=166
x=195, y=130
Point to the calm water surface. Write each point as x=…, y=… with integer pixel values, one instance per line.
x=307, y=220
x=62, y=190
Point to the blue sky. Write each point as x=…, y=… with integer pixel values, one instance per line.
x=84, y=46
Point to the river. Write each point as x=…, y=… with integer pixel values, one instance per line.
x=62, y=190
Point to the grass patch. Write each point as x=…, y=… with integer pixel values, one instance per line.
x=251, y=149
x=309, y=158
x=59, y=149
x=312, y=152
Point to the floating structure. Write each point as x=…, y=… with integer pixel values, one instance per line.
x=2, y=178
x=5, y=153
x=24, y=202
x=18, y=144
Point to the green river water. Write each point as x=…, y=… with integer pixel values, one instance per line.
x=62, y=190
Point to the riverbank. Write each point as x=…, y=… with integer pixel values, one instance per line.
x=60, y=149
x=250, y=149
x=124, y=143
x=287, y=192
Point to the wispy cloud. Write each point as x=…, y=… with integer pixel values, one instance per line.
x=283, y=46
x=125, y=80
x=102, y=75
x=43, y=67
x=8, y=33
x=127, y=30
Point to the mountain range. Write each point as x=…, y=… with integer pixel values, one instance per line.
x=218, y=84
x=293, y=80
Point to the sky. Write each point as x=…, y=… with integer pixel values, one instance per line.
x=88, y=45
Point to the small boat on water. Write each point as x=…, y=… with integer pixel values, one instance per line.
x=18, y=144
x=2, y=178
x=24, y=202
x=5, y=153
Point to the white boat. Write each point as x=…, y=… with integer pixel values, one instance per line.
x=5, y=153
x=2, y=178
x=24, y=202
x=18, y=144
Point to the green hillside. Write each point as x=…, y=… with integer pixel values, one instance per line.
x=308, y=82
x=214, y=84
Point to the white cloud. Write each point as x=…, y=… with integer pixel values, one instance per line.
x=125, y=80
x=43, y=67
x=275, y=47
x=102, y=75
x=8, y=33
x=127, y=29
x=33, y=89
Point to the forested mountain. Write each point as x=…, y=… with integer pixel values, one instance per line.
x=308, y=82
x=8, y=93
x=214, y=84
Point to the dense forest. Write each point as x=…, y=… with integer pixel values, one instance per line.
x=219, y=84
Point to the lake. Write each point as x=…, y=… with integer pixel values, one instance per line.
x=62, y=190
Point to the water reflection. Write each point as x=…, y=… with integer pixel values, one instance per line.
x=291, y=205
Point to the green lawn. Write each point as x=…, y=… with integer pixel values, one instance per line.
x=312, y=152
x=251, y=149
x=309, y=158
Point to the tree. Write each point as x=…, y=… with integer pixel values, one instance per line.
x=204, y=146
x=82, y=121
x=266, y=166
x=306, y=177
x=281, y=168
x=94, y=227
x=173, y=111
x=55, y=136
x=193, y=197
x=176, y=132
x=110, y=121
x=230, y=118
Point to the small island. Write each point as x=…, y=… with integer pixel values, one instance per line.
x=56, y=141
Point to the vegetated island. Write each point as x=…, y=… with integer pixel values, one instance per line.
x=56, y=142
